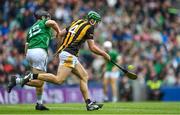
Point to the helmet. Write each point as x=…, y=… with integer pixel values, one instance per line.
x=107, y=44
x=94, y=15
x=40, y=13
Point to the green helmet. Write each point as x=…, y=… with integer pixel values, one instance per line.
x=94, y=15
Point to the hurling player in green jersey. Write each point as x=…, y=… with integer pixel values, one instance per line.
x=36, y=47
x=111, y=74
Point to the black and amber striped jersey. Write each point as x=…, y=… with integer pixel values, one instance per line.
x=77, y=33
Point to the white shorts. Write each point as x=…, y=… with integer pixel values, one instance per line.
x=37, y=58
x=67, y=59
x=111, y=74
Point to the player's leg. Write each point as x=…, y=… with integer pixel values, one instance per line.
x=37, y=59
x=113, y=81
x=105, y=86
x=39, y=90
x=62, y=74
x=64, y=69
x=82, y=74
x=18, y=81
x=36, y=83
x=114, y=89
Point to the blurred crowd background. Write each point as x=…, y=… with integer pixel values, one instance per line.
x=146, y=33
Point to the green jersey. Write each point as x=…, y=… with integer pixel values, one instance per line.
x=113, y=54
x=39, y=35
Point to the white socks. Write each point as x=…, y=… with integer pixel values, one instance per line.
x=18, y=80
x=114, y=99
x=39, y=99
x=105, y=98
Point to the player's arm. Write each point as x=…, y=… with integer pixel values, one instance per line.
x=63, y=32
x=92, y=46
x=54, y=25
x=97, y=50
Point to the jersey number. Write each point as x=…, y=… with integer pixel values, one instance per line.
x=35, y=30
x=73, y=29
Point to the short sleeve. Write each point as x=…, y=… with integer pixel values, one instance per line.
x=90, y=33
x=44, y=21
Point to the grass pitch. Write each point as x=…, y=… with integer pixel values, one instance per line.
x=128, y=108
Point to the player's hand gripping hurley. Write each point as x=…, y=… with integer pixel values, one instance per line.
x=128, y=73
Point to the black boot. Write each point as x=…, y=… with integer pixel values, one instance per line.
x=11, y=84
x=41, y=107
x=93, y=106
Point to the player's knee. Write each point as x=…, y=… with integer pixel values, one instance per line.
x=85, y=77
x=39, y=89
x=60, y=81
x=40, y=84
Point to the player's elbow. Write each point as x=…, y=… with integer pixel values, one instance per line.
x=61, y=34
